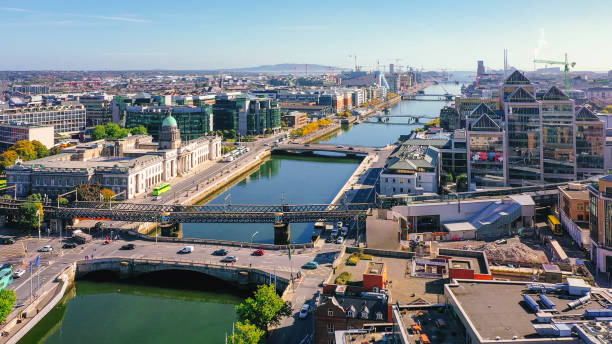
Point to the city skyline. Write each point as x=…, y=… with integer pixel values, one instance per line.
x=191, y=35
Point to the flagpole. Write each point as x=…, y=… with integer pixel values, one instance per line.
x=31, y=277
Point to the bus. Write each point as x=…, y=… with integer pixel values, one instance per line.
x=6, y=277
x=158, y=190
x=555, y=225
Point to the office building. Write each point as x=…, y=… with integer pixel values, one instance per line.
x=11, y=133
x=230, y=113
x=295, y=119
x=412, y=170
x=600, y=223
x=486, y=165
x=133, y=165
x=590, y=143
x=65, y=118
x=480, y=70
x=193, y=122
x=30, y=89
x=559, y=159
x=98, y=108
x=264, y=116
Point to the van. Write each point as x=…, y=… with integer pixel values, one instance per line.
x=186, y=249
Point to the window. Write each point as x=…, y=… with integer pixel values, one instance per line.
x=401, y=190
x=401, y=180
x=393, y=189
x=580, y=217
x=350, y=314
x=330, y=328
x=379, y=316
x=580, y=206
x=330, y=313
x=364, y=315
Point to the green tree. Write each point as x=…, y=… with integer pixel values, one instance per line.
x=41, y=150
x=63, y=201
x=140, y=130
x=8, y=159
x=462, y=183
x=264, y=309
x=55, y=150
x=35, y=197
x=27, y=215
x=98, y=132
x=246, y=333
x=7, y=303
x=114, y=131
x=25, y=150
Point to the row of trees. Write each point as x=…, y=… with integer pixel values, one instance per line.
x=112, y=131
x=256, y=314
x=26, y=150
x=310, y=127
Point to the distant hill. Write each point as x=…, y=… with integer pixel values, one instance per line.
x=287, y=68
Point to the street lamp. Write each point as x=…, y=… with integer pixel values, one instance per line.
x=38, y=213
x=251, y=247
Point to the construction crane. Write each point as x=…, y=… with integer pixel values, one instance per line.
x=566, y=68
x=355, y=57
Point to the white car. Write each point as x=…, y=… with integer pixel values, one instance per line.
x=18, y=273
x=186, y=249
x=46, y=248
x=340, y=240
x=339, y=224
x=304, y=311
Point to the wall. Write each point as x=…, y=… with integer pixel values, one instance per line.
x=448, y=211
x=382, y=253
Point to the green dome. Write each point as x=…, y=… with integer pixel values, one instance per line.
x=169, y=121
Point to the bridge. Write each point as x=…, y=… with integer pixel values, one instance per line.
x=428, y=97
x=222, y=213
x=346, y=149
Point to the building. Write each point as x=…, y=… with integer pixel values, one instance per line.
x=264, y=116
x=295, y=119
x=574, y=212
x=558, y=154
x=230, y=113
x=600, y=223
x=340, y=312
x=65, y=118
x=30, y=89
x=450, y=119
x=602, y=95
x=590, y=144
x=193, y=121
x=486, y=166
x=10, y=133
x=411, y=170
x=98, y=108
x=133, y=165
x=480, y=70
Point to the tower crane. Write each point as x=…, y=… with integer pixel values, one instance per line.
x=566, y=68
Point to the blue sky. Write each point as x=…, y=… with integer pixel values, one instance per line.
x=135, y=34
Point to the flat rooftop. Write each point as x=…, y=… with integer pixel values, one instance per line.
x=507, y=316
x=375, y=268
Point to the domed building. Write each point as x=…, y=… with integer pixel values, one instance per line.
x=170, y=135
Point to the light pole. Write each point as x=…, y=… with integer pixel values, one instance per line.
x=251, y=247
x=38, y=213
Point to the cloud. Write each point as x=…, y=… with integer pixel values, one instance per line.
x=123, y=19
x=13, y=9
x=541, y=43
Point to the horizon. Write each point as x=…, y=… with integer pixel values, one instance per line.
x=137, y=36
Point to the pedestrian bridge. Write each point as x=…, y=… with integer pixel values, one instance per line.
x=310, y=148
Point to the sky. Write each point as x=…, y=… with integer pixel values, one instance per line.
x=191, y=34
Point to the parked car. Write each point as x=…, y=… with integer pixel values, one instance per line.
x=186, y=249
x=18, y=273
x=259, y=252
x=339, y=224
x=340, y=240
x=307, y=145
x=220, y=252
x=229, y=259
x=69, y=245
x=351, y=148
x=304, y=311
x=339, y=146
x=344, y=231
x=128, y=247
x=334, y=233
x=310, y=265
x=6, y=266
x=329, y=239
x=266, y=144
x=8, y=241
x=46, y=248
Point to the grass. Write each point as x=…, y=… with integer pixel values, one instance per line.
x=343, y=278
x=355, y=257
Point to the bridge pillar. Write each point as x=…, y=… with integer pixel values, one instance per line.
x=171, y=229
x=282, y=234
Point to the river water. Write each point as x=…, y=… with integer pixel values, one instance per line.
x=109, y=311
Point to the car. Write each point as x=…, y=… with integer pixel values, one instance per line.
x=157, y=198
x=229, y=259
x=340, y=240
x=220, y=252
x=377, y=149
x=304, y=311
x=186, y=249
x=344, y=231
x=46, y=248
x=259, y=252
x=8, y=241
x=69, y=245
x=311, y=265
x=334, y=233
x=307, y=145
x=339, y=146
x=351, y=148
x=18, y=273
x=339, y=224
x=6, y=266
x=128, y=247
x=236, y=143
x=329, y=239
x=266, y=144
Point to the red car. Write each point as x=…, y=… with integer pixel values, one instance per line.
x=259, y=252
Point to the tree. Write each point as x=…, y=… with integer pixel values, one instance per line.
x=98, y=133
x=55, y=150
x=25, y=150
x=114, y=131
x=462, y=183
x=8, y=159
x=89, y=192
x=63, y=201
x=140, y=130
x=264, y=309
x=7, y=303
x=41, y=150
x=35, y=197
x=107, y=194
x=27, y=215
x=246, y=333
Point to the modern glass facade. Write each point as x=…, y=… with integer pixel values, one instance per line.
x=193, y=122
x=227, y=113
x=590, y=141
x=523, y=130
x=487, y=159
x=558, y=140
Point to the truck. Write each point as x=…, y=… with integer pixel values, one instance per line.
x=79, y=237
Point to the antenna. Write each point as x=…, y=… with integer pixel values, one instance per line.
x=505, y=61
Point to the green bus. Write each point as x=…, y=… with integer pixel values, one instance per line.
x=158, y=190
x=6, y=277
